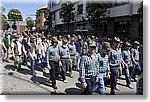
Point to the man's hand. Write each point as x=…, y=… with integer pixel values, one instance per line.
x=126, y=66
x=84, y=85
x=70, y=61
x=48, y=66
x=96, y=79
x=32, y=58
x=60, y=64
x=108, y=76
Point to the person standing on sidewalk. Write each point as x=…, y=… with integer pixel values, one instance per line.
x=5, y=46
x=115, y=60
x=88, y=69
x=53, y=60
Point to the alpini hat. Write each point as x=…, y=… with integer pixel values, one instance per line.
x=54, y=39
x=92, y=44
x=136, y=42
x=128, y=44
x=117, y=39
x=106, y=45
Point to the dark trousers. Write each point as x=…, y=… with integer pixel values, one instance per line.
x=114, y=77
x=65, y=67
x=89, y=89
x=53, y=72
x=136, y=70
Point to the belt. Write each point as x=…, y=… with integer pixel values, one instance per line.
x=89, y=76
x=72, y=55
x=102, y=72
x=64, y=58
x=53, y=60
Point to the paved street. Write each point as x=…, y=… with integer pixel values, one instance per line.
x=21, y=82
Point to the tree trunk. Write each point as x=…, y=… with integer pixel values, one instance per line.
x=68, y=27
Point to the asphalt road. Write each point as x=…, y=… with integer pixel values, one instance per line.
x=21, y=82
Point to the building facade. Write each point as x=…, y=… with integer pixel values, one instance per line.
x=124, y=20
x=1, y=13
x=40, y=19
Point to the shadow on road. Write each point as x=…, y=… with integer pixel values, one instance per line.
x=22, y=71
x=73, y=91
x=78, y=85
x=40, y=80
x=121, y=84
x=10, y=67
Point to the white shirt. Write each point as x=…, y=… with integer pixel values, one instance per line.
x=19, y=45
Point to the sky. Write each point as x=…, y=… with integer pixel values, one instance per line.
x=26, y=7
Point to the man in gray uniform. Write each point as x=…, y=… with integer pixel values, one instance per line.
x=135, y=59
x=32, y=55
x=126, y=55
x=65, y=59
x=72, y=50
x=53, y=60
x=115, y=60
x=103, y=69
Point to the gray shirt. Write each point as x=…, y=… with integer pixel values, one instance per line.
x=64, y=52
x=52, y=54
x=115, y=58
x=135, y=54
x=126, y=55
x=72, y=49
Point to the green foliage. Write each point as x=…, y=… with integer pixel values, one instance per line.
x=30, y=23
x=48, y=17
x=15, y=15
x=140, y=10
x=98, y=11
x=67, y=12
x=4, y=17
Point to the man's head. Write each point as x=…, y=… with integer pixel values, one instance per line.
x=136, y=44
x=92, y=47
x=106, y=47
x=116, y=42
x=65, y=41
x=127, y=45
x=60, y=38
x=54, y=41
x=72, y=39
x=16, y=37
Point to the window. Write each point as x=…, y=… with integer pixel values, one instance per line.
x=123, y=29
x=80, y=9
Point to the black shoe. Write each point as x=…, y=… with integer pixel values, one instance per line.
x=34, y=74
x=55, y=87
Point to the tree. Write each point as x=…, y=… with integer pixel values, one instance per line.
x=4, y=22
x=15, y=15
x=30, y=23
x=48, y=21
x=97, y=12
x=140, y=10
x=67, y=13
